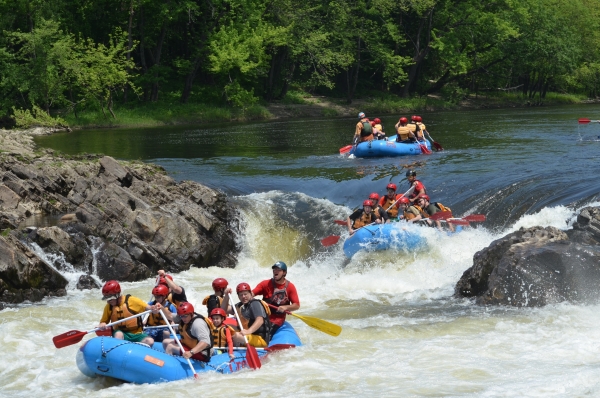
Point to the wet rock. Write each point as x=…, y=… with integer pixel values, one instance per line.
x=24, y=276
x=587, y=227
x=112, y=262
x=73, y=247
x=87, y=282
x=533, y=267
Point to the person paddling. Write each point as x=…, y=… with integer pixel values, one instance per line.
x=254, y=315
x=389, y=202
x=419, y=190
x=377, y=209
x=215, y=300
x=160, y=293
x=403, y=132
x=279, y=292
x=362, y=217
x=363, y=131
x=177, y=293
x=195, y=331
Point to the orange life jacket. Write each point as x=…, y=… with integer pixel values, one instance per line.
x=393, y=211
x=157, y=319
x=364, y=219
x=219, y=335
x=189, y=339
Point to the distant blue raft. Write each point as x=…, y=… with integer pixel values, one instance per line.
x=380, y=148
x=383, y=237
x=138, y=363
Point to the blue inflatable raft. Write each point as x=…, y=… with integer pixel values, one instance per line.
x=138, y=363
x=377, y=148
x=383, y=237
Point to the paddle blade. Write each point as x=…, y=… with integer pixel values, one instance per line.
x=340, y=222
x=320, y=324
x=330, y=240
x=584, y=121
x=279, y=347
x=475, y=217
x=69, y=338
x=440, y=215
x=438, y=146
x=252, y=357
x=458, y=221
x=425, y=150
x=345, y=149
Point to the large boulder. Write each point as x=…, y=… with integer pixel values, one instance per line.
x=24, y=276
x=533, y=267
x=113, y=262
x=72, y=247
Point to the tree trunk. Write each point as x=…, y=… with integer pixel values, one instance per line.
x=189, y=80
x=286, y=81
x=354, y=75
x=143, y=52
x=129, y=45
x=158, y=50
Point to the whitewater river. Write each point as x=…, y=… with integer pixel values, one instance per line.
x=403, y=333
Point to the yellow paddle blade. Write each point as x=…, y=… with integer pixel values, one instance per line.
x=319, y=324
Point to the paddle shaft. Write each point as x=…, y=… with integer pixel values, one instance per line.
x=164, y=317
x=321, y=325
x=410, y=190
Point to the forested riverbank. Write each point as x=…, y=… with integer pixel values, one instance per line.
x=148, y=62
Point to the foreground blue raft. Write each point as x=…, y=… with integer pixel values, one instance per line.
x=378, y=148
x=383, y=237
x=138, y=363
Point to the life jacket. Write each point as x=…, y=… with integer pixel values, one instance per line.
x=416, y=131
x=219, y=335
x=408, y=215
x=175, y=302
x=264, y=330
x=366, y=130
x=403, y=133
x=418, y=186
x=379, y=127
x=211, y=302
x=121, y=311
x=442, y=207
x=387, y=202
x=157, y=319
x=421, y=126
x=423, y=213
x=377, y=211
x=189, y=339
x=279, y=297
x=364, y=219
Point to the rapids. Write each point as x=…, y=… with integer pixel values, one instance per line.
x=403, y=334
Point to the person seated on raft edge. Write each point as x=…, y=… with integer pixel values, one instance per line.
x=378, y=129
x=408, y=212
x=254, y=315
x=120, y=307
x=195, y=331
x=415, y=128
x=364, y=130
x=215, y=300
x=377, y=209
x=403, y=133
x=419, y=190
x=221, y=333
x=389, y=202
x=427, y=209
x=160, y=293
x=362, y=217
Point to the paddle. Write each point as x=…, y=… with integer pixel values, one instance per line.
x=345, y=149
x=586, y=121
x=474, y=217
x=75, y=336
x=316, y=323
x=423, y=147
x=274, y=347
x=164, y=317
x=440, y=215
x=457, y=221
x=437, y=145
x=251, y=354
x=340, y=222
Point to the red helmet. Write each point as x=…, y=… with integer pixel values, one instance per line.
x=243, y=287
x=367, y=203
x=413, y=118
x=218, y=311
x=426, y=197
x=111, y=288
x=419, y=119
x=162, y=280
x=372, y=124
x=160, y=290
x=377, y=120
x=374, y=196
x=220, y=283
x=403, y=120
x=404, y=200
x=185, y=308
x=391, y=186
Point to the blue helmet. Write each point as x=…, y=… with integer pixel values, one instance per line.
x=281, y=265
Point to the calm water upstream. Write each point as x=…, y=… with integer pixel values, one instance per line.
x=403, y=334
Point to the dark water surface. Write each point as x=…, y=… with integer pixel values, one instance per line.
x=504, y=163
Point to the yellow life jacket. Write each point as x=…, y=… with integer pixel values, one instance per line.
x=213, y=301
x=393, y=211
x=264, y=330
x=364, y=219
x=175, y=302
x=157, y=319
x=190, y=340
x=379, y=127
x=403, y=132
x=422, y=126
x=219, y=335
x=413, y=128
x=122, y=311
x=423, y=213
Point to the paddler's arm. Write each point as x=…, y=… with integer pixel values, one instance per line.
x=225, y=303
x=196, y=349
x=258, y=322
x=349, y=224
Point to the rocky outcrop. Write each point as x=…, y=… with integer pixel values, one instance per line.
x=538, y=266
x=132, y=215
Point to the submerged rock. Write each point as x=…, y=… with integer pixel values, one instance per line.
x=534, y=267
x=87, y=282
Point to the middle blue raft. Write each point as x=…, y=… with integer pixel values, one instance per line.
x=383, y=237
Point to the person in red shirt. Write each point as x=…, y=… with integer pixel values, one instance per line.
x=279, y=292
x=419, y=190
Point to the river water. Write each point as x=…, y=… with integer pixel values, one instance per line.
x=403, y=333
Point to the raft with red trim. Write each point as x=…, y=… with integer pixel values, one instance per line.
x=138, y=363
